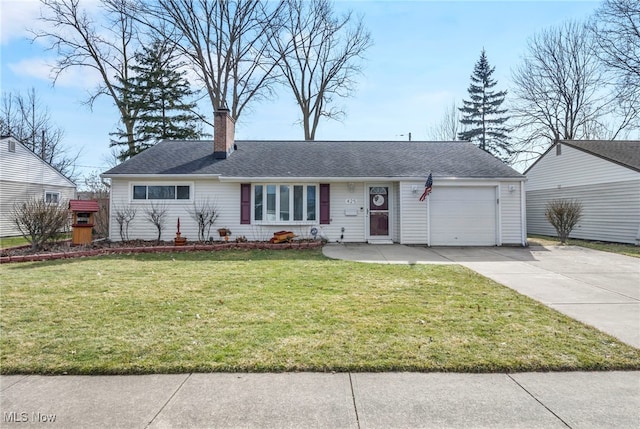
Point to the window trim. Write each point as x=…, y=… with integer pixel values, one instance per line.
x=58, y=195
x=291, y=206
x=174, y=200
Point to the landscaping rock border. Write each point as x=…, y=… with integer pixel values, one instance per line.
x=158, y=249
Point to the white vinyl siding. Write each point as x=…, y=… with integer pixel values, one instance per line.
x=511, y=216
x=574, y=168
x=611, y=211
x=23, y=175
x=468, y=214
x=414, y=214
x=609, y=193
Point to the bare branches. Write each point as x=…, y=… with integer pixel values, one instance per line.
x=157, y=215
x=226, y=43
x=563, y=215
x=27, y=120
x=205, y=214
x=39, y=221
x=558, y=83
x=79, y=41
x=562, y=91
x=318, y=53
x=616, y=29
x=449, y=126
x=124, y=216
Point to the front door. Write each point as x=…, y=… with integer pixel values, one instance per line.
x=378, y=211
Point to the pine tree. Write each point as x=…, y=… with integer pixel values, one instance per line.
x=482, y=118
x=157, y=94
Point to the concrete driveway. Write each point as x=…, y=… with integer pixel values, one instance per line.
x=598, y=288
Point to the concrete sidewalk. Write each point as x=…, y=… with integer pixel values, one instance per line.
x=314, y=400
x=600, y=289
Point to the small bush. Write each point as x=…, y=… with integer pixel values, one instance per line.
x=563, y=215
x=124, y=216
x=157, y=215
x=39, y=221
x=205, y=214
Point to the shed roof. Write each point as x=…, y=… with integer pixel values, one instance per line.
x=319, y=159
x=84, y=206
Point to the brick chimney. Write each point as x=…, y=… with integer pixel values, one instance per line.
x=223, y=133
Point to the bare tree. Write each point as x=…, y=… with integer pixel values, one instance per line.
x=616, y=29
x=39, y=221
x=560, y=88
x=27, y=120
x=105, y=46
x=319, y=58
x=449, y=126
x=205, y=214
x=157, y=215
x=226, y=44
x=124, y=216
x=97, y=188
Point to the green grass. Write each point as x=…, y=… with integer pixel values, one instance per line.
x=622, y=249
x=280, y=311
x=6, y=242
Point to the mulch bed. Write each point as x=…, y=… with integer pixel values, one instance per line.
x=65, y=250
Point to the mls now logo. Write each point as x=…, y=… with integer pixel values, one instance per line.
x=16, y=417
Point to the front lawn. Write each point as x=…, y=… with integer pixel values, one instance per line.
x=279, y=311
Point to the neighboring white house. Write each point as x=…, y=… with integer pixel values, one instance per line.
x=603, y=175
x=346, y=191
x=24, y=175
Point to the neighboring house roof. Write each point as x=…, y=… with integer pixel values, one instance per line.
x=32, y=153
x=318, y=159
x=622, y=152
x=84, y=206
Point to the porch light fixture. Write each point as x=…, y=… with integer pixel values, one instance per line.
x=351, y=186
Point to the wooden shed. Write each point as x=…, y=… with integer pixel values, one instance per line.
x=83, y=220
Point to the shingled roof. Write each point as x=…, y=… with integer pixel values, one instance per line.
x=318, y=159
x=623, y=152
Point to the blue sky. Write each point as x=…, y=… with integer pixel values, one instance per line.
x=421, y=60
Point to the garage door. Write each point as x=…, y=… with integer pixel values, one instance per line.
x=463, y=216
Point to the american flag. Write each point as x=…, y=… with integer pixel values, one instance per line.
x=427, y=188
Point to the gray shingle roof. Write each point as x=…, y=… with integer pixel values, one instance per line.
x=626, y=153
x=318, y=159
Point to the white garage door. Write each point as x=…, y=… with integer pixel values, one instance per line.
x=463, y=216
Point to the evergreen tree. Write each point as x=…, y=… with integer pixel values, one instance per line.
x=157, y=93
x=482, y=118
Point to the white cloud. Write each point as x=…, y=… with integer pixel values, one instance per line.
x=41, y=68
x=16, y=17
x=38, y=68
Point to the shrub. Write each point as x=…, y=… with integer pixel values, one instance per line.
x=124, y=215
x=39, y=221
x=205, y=214
x=563, y=215
x=157, y=214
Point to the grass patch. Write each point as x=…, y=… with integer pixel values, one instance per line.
x=620, y=248
x=7, y=242
x=280, y=311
